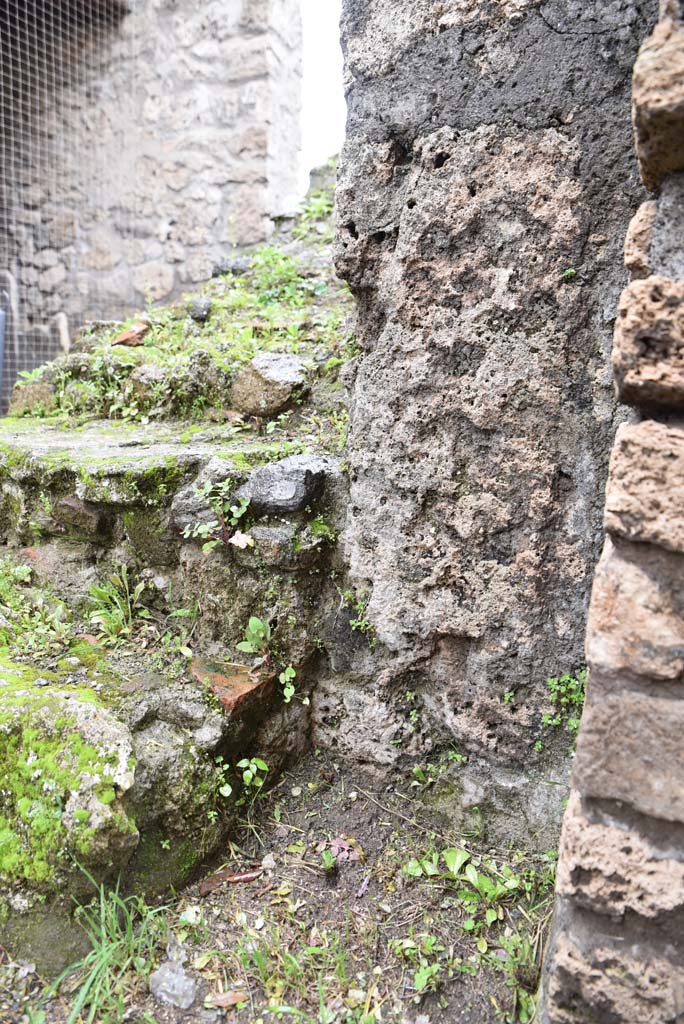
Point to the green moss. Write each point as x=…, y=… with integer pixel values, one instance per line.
x=161, y=861
x=240, y=460
x=188, y=434
x=147, y=533
x=12, y=457
x=44, y=760
x=88, y=654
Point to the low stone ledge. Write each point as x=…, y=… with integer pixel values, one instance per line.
x=610, y=871
x=648, y=345
x=645, y=485
x=658, y=103
x=607, y=984
x=636, y=616
x=630, y=750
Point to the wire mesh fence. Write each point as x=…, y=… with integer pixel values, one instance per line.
x=140, y=140
x=53, y=56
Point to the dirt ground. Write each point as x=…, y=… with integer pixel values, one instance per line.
x=352, y=916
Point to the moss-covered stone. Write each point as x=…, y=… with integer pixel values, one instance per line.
x=64, y=762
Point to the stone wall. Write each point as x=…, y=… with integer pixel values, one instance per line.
x=141, y=148
x=618, y=946
x=485, y=185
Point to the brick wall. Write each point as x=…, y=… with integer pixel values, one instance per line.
x=617, y=952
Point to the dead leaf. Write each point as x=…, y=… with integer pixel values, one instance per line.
x=88, y=638
x=363, y=888
x=215, y=881
x=226, y=999
x=241, y=540
x=133, y=335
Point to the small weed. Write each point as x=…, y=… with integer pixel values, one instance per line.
x=254, y=771
x=257, y=637
x=329, y=860
x=36, y=624
x=321, y=529
x=224, y=529
x=430, y=773
x=424, y=953
x=286, y=679
x=567, y=694
x=318, y=207
x=357, y=603
x=116, y=605
x=31, y=376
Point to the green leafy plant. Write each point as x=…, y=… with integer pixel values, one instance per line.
x=357, y=604
x=567, y=694
x=329, y=860
x=34, y=623
x=317, y=207
x=117, y=605
x=32, y=376
x=254, y=771
x=257, y=637
x=224, y=529
x=286, y=679
x=521, y=964
x=277, y=279
x=223, y=786
x=424, y=953
x=425, y=775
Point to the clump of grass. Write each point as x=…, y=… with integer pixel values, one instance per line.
x=124, y=935
x=116, y=605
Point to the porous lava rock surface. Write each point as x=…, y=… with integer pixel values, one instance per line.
x=484, y=192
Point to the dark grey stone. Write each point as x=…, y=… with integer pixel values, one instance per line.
x=199, y=310
x=287, y=486
x=232, y=265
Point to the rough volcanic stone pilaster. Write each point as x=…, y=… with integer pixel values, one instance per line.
x=622, y=986
x=614, y=871
x=484, y=192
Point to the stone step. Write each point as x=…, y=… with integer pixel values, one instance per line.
x=106, y=762
x=84, y=501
